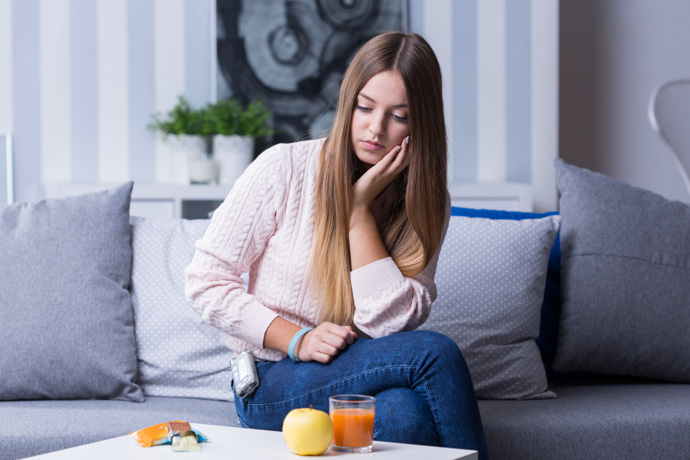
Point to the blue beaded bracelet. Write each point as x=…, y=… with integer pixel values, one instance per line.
x=295, y=339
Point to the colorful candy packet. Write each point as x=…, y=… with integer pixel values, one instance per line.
x=156, y=435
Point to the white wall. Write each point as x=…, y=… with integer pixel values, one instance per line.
x=613, y=54
x=499, y=60
x=80, y=79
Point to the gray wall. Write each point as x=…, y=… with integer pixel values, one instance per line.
x=613, y=53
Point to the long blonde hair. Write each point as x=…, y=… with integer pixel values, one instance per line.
x=416, y=229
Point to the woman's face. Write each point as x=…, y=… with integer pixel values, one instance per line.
x=379, y=120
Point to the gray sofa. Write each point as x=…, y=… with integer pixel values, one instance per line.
x=561, y=409
x=602, y=420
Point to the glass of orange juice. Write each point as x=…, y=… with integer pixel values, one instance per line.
x=353, y=422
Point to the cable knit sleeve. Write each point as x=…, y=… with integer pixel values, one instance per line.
x=386, y=301
x=236, y=237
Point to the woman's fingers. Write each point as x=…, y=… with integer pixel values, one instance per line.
x=379, y=176
x=351, y=335
x=328, y=349
x=321, y=357
x=393, y=163
x=335, y=336
x=317, y=351
x=390, y=160
x=326, y=340
x=401, y=160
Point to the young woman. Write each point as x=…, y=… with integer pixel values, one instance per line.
x=340, y=237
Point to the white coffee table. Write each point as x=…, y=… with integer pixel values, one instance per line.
x=241, y=443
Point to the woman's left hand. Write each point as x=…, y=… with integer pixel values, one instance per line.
x=365, y=190
x=325, y=342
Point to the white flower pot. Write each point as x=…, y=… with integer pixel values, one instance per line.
x=233, y=154
x=203, y=171
x=183, y=149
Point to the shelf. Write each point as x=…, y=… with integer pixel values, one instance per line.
x=503, y=196
x=151, y=200
x=173, y=200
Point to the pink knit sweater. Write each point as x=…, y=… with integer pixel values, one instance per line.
x=265, y=227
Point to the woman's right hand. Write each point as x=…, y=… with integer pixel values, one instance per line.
x=375, y=180
x=325, y=342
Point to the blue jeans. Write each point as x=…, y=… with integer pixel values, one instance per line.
x=423, y=390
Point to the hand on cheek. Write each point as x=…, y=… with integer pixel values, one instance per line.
x=379, y=176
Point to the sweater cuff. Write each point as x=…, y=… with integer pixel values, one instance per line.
x=375, y=277
x=256, y=320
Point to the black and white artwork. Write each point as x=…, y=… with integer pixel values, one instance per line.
x=292, y=54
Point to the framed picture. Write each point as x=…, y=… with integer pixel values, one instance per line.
x=292, y=54
x=6, y=185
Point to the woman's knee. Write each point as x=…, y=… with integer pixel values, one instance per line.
x=404, y=416
x=442, y=354
x=438, y=345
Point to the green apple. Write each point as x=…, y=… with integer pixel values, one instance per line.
x=307, y=431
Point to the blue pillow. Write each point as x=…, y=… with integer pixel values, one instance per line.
x=551, y=307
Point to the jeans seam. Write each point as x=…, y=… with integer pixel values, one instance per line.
x=334, y=382
x=431, y=402
x=242, y=422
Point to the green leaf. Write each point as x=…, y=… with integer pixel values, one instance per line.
x=226, y=117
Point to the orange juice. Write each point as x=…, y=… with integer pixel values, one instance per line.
x=353, y=427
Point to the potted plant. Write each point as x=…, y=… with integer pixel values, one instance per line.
x=235, y=128
x=186, y=132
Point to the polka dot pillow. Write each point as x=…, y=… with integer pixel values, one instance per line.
x=490, y=279
x=179, y=354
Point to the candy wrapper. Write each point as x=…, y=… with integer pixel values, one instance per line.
x=182, y=438
x=158, y=434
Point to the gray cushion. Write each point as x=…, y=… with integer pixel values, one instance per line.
x=625, y=279
x=66, y=324
x=179, y=354
x=592, y=420
x=490, y=278
x=36, y=427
